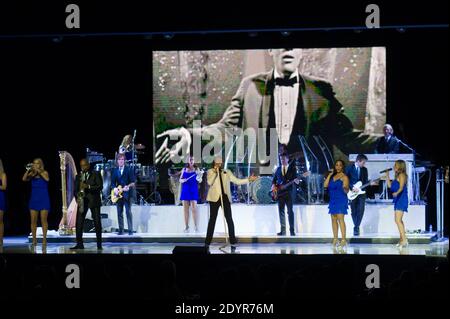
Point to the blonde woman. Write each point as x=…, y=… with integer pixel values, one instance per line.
x=3, y=184
x=125, y=146
x=338, y=185
x=39, y=201
x=400, y=193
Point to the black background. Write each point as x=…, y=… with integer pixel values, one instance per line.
x=62, y=91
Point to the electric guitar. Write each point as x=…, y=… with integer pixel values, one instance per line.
x=281, y=188
x=115, y=197
x=351, y=195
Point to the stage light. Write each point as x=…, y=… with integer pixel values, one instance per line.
x=57, y=39
x=285, y=33
x=168, y=36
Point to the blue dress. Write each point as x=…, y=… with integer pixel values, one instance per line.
x=338, y=198
x=39, y=195
x=189, y=189
x=2, y=199
x=401, y=201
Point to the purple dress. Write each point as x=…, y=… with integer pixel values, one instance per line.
x=189, y=189
x=39, y=195
x=338, y=198
x=401, y=201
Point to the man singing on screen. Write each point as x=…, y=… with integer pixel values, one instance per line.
x=284, y=99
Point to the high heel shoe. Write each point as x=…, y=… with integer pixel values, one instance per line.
x=334, y=243
x=403, y=244
x=186, y=230
x=343, y=243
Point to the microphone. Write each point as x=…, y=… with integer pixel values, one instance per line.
x=386, y=170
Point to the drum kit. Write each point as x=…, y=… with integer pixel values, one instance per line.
x=147, y=176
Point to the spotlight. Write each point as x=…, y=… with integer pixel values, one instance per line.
x=253, y=34
x=401, y=30
x=57, y=39
x=168, y=36
x=285, y=33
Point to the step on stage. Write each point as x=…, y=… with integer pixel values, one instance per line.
x=256, y=224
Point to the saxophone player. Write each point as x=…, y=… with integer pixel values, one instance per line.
x=88, y=186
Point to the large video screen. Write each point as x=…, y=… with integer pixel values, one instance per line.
x=306, y=99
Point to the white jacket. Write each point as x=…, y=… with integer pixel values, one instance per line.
x=214, y=184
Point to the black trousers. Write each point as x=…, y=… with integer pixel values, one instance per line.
x=120, y=204
x=81, y=216
x=286, y=201
x=214, y=209
x=358, y=205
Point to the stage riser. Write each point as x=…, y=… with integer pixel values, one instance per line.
x=90, y=238
x=263, y=220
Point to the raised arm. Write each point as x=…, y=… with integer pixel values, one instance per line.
x=388, y=179
x=345, y=183
x=181, y=179
x=29, y=174
x=4, y=182
x=211, y=177
x=44, y=175
x=327, y=180
x=401, y=182
x=235, y=180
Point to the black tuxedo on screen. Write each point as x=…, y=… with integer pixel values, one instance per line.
x=285, y=198
x=392, y=146
x=359, y=203
x=91, y=200
x=125, y=178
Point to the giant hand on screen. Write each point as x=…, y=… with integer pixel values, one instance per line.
x=166, y=154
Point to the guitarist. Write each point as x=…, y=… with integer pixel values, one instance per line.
x=123, y=176
x=357, y=172
x=284, y=174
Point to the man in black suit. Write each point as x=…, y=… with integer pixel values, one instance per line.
x=283, y=104
x=357, y=172
x=88, y=186
x=284, y=174
x=123, y=176
x=388, y=144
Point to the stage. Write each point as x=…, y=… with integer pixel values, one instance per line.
x=419, y=246
x=255, y=224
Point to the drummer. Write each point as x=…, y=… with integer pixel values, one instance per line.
x=126, y=147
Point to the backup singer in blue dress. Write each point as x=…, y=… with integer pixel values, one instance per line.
x=3, y=184
x=400, y=193
x=189, y=192
x=338, y=185
x=39, y=201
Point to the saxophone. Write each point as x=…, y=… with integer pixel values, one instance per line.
x=80, y=194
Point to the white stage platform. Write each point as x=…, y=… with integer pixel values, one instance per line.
x=263, y=220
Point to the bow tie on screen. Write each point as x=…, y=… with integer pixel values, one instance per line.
x=286, y=82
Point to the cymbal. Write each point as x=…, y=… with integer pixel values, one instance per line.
x=139, y=146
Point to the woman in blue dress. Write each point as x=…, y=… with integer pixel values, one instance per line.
x=338, y=184
x=39, y=201
x=399, y=191
x=2, y=200
x=189, y=191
